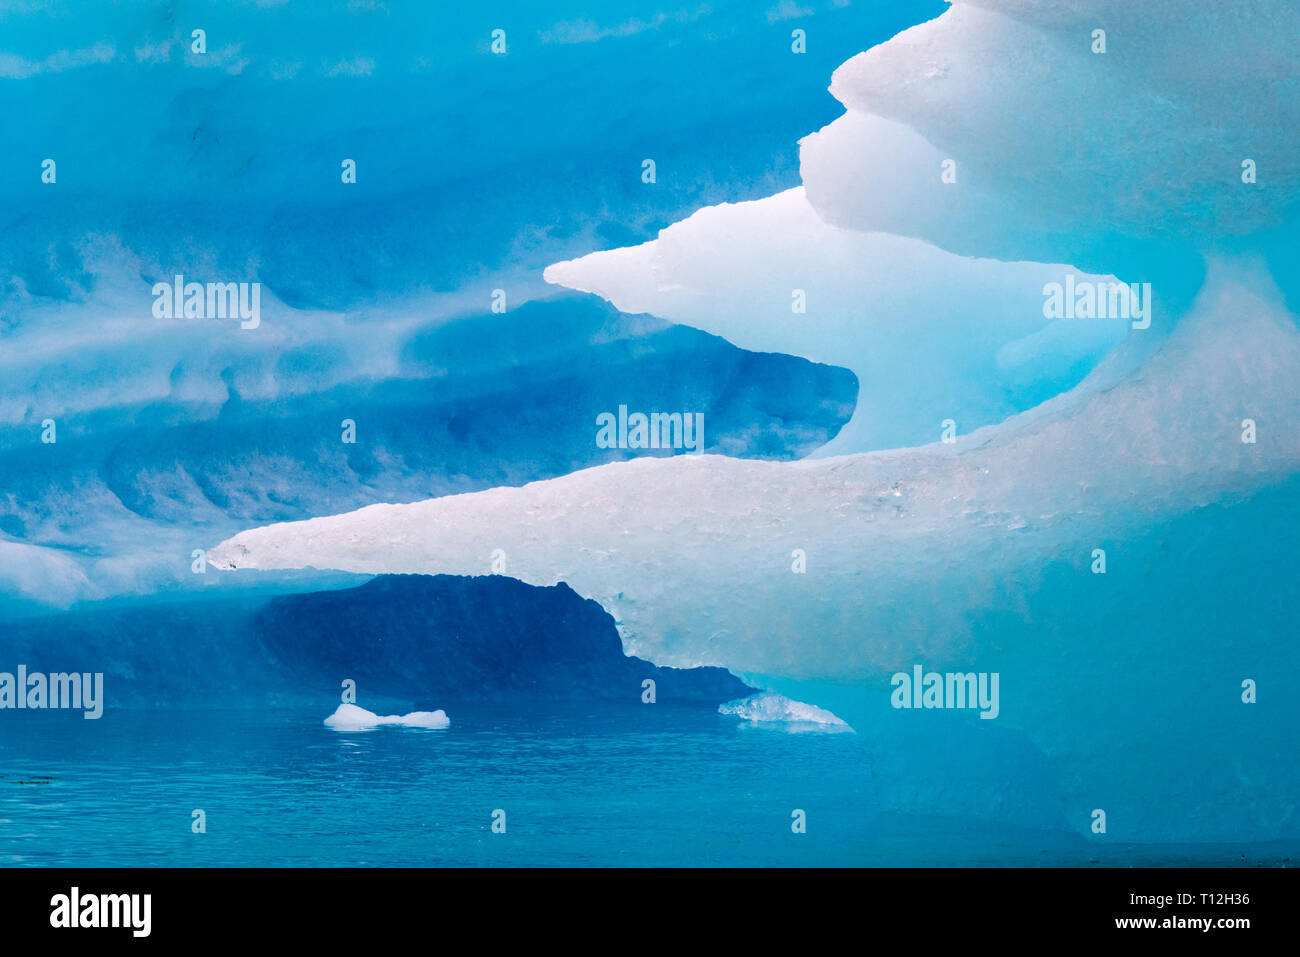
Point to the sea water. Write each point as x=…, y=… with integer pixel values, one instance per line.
x=578, y=786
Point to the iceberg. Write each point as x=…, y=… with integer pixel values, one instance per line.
x=677, y=549
x=350, y=717
x=118, y=507
x=769, y=708
x=979, y=556
x=1057, y=148
x=378, y=297
x=925, y=455
x=1114, y=538
x=772, y=276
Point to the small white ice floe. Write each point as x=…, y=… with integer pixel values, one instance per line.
x=348, y=717
x=778, y=710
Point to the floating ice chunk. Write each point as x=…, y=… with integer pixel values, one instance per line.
x=771, y=276
x=769, y=708
x=349, y=717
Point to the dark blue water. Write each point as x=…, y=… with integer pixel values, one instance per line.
x=647, y=786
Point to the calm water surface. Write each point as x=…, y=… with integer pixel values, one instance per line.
x=623, y=786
